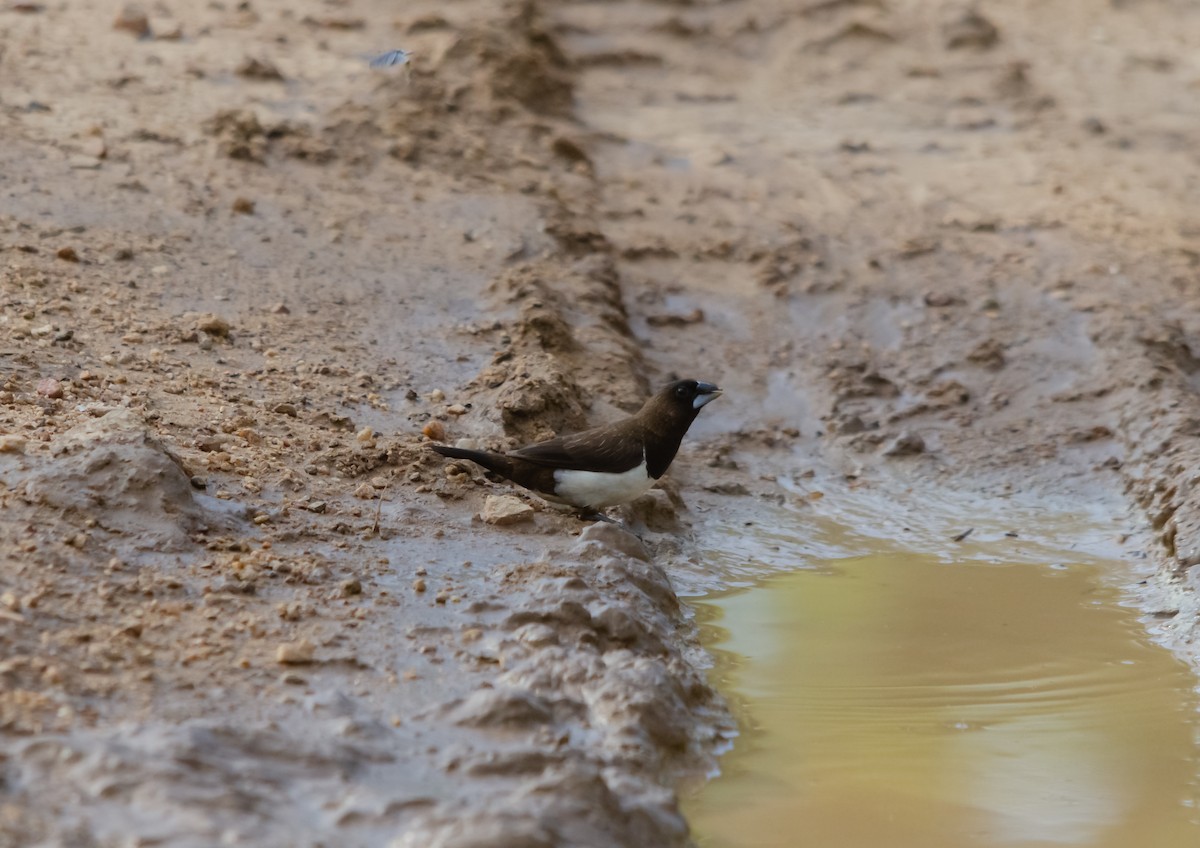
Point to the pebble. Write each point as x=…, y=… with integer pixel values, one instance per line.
x=418, y=585
x=351, y=586
x=213, y=324
x=67, y=254
x=504, y=509
x=435, y=431
x=906, y=444
x=456, y=409
x=288, y=409
x=365, y=491
x=295, y=653
x=50, y=388
x=437, y=396
x=12, y=443
x=243, y=206
x=366, y=434
x=133, y=20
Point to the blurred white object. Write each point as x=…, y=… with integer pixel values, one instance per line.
x=391, y=59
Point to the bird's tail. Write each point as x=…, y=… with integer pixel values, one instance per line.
x=499, y=463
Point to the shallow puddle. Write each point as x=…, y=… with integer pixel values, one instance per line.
x=909, y=700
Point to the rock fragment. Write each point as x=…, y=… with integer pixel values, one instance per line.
x=299, y=652
x=50, y=388
x=213, y=324
x=133, y=19
x=502, y=510
x=906, y=444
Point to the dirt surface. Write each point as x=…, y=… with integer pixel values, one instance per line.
x=246, y=278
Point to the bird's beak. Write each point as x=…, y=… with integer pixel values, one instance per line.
x=705, y=392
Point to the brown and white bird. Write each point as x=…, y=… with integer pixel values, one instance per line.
x=606, y=465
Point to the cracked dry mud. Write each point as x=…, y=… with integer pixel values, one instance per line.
x=921, y=245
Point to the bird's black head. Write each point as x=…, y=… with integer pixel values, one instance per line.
x=667, y=416
x=681, y=401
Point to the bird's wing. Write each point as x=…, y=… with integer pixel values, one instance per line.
x=606, y=449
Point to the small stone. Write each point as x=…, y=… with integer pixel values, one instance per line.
x=504, y=509
x=9, y=600
x=12, y=443
x=262, y=518
x=456, y=409
x=67, y=254
x=258, y=69
x=419, y=585
x=50, y=388
x=437, y=396
x=352, y=586
x=972, y=31
x=291, y=678
x=243, y=206
x=133, y=20
x=316, y=506
x=442, y=597
x=364, y=491
x=213, y=324
x=281, y=309
x=906, y=444
x=288, y=409
x=434, y=431
x=295, y=653
x=366, y=434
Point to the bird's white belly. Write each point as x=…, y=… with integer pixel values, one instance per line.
x=596, y=489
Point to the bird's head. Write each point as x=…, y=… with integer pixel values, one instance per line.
x=680, y=401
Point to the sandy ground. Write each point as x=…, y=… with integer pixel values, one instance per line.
x=246, y=277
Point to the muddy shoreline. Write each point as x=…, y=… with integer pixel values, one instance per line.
x=244, y=275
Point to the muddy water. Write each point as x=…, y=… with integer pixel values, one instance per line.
x=978, y=699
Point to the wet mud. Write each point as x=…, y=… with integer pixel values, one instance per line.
x=246, y=278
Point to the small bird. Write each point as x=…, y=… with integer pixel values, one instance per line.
x=606, y=465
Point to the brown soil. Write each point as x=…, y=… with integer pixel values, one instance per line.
x=242, y=272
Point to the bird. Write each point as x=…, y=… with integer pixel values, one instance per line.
x=607, y=465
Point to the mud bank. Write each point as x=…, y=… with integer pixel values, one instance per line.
x=246, y=278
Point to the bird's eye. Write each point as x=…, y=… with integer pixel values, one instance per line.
x=681, y=392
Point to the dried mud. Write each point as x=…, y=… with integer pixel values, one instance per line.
x=921, y=245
